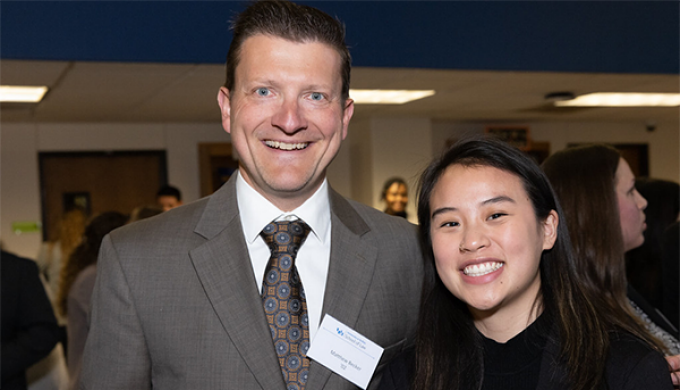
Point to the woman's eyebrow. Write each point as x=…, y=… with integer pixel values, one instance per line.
x=442, y=210
x=498, y=199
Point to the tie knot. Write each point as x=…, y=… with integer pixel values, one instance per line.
x=285, y=236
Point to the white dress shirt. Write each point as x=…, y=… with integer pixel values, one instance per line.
x=313, y=257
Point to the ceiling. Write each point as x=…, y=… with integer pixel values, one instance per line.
x=83, y=91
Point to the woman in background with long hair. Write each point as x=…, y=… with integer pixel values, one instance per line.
x=77, y=282
x=605, y=216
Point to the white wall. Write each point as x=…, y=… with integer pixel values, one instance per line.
x=384, y=147
x=360, y=142
x=19, y=187
x=400, y=147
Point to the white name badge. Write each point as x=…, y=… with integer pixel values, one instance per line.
x=345, y=352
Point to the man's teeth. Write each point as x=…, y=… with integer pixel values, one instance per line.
x=482, y=269
x=286, y=145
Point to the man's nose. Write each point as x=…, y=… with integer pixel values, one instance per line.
x=290, y=116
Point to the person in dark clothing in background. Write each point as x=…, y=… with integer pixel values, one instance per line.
x=671, y=274
x=645, y=268
x=29, y=328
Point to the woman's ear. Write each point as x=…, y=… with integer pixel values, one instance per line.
x=550, y=229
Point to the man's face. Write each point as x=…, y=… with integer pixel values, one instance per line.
x=286, y=116
x=167, y=202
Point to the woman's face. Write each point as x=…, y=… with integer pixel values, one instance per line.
x=631, y=207
x=396, y=197
x=487, y=242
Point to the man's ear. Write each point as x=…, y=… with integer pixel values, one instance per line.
x=550, y=230
x=346, y=116
x=225, y=107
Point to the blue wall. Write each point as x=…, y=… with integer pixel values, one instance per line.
x=581, y=36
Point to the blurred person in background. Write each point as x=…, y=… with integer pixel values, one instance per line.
x=169, y=197
x=647, y=272
x=143, y=212
x=29, y=328
x=671, y=273
x=395, y=196
x=53, y=253
x=604, y=213
x=77, y=281
x=51, y=373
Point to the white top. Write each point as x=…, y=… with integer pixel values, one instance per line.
x=313, y=257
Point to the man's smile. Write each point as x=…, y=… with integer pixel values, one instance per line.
x=286, y=145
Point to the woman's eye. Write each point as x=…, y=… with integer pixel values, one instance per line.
x=449, y=224
x=496, y=215
x=262, y=91
x=316, y=96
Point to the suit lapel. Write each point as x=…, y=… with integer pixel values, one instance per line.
x=223, y=266
x=352, y=263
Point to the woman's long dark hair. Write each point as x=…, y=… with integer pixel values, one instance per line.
x=86, y=253
x=584, y=178
x=449, y=351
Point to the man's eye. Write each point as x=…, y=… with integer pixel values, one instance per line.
x=316, y=96
x=496, y=215
x=262, y=91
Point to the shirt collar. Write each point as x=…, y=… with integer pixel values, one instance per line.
x=256, y=211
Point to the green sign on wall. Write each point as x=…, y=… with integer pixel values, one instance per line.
x=21, y=227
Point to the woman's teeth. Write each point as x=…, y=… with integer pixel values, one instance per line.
x=286, y=145
x=482, y=269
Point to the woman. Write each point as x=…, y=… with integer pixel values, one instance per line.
x=605, y=215
x=54, y=253
x=395, y=196
x=77, y=282
x=656, y=280
x=505, y=308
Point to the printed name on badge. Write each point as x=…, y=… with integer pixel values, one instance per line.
x=345, y=352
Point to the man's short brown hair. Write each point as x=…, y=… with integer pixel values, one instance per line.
x=290, y=21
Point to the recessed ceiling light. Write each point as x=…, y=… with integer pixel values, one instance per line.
x=21, y=94
x=387, y=96
x=602, y=99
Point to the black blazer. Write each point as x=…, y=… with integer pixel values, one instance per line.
x=29, y=328
x=631, y=365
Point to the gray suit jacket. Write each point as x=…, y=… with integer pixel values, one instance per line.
x=176, y=306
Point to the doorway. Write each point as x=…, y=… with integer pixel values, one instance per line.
x=97, y=182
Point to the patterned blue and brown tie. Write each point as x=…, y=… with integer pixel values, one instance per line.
x=284, y=300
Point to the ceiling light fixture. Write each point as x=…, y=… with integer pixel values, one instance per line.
x=387, y=96
x=21, y=94
x=621, y=99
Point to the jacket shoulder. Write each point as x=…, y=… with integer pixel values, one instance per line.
x=166, y=230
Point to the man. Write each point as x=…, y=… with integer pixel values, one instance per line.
x=29, y=328
x=179, y=304
x=168, y=197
